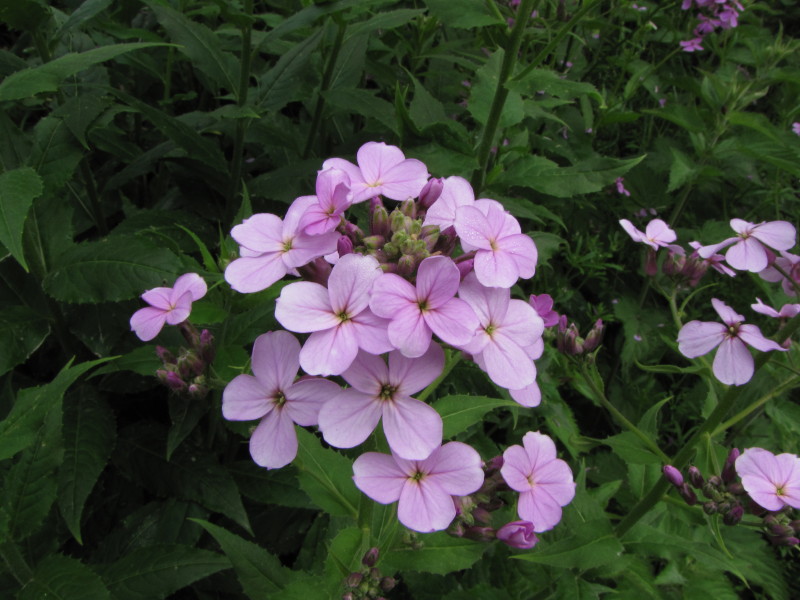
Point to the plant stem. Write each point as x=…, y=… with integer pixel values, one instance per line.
x=501, y=92
x=452, y=361
x=789, y=383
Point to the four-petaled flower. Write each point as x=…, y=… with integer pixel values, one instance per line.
x=167, y=305
x=748, y=251
x=733, y=363
x=656, y=234
x=771, y=481
x=422, y=488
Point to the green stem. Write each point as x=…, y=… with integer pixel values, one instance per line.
x=524, y=11
x=789, y=383
x=319, y=107
x=452, y=361
x=711, y=424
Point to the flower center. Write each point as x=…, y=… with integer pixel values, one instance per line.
x=418, y=476
x=279, y=399
x=343, y=316
x=387, y=392
x=287, y=245
x=490, y=329
x=733, y=330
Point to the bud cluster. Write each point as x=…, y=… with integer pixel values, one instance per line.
x=368, y=583
x=569, y=341
x=186, y=373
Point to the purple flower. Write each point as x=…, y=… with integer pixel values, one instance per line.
x=338, y=317
x=456, y=192
x=382, y=170
x=431, y=306
x=733, y=363
x=273, y=396
x=271, y=248
x=656, y=234
x=167, y=305
x=771, y=481
x=543, y=305
x=518, y=534
x=422, y=488
x=748, y=251
x=545, y=482
x=787, y=311
x=790, y=263
x=413, y=429
x=332, y=199
x=796, y=128
x=692, y=45
x=715, y=261
x=620, y=183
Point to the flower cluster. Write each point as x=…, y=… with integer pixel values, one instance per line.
x=713, y=15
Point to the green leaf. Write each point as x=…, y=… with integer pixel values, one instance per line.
x=461, y=411
x=440, y=553
x=47, y=77
x=269, y=486
x=116, y=268
x=259, y=572
x=81, y=15
x=631, y=449
x=483, y=91
x=365, y=103
x=200, y=45
x=158, y=571
x=79, y=112
x=24, y=15
x=385, y=21
x=425, y=109
x=55, y=154
x=143, y=360
x=592, y=546
x=464, y=14
x=681, y=170
x=89, y=434
x=59, y=577
x=281, y=84
x=326, y=476
x=185, y=413
x=18, y=188
x=669, y=368
x=344, y=555
x=22, y=331
x=553, y=83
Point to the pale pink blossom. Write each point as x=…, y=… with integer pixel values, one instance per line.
x=692, y=45
x=787, y=311
x=272, y=395
x=270, y=247
x=733, y=363
x=413, y=429
x=715, y=261
x=748, y=250
x=518, y=534
x=423, y=489
x=790, y=263
x=544, y=481
x=167, y=305
x=456, y=191
x=431, y=306
x=333, y=198
x=620, y=183
x=338, y=317
x=771, y=481
x=543, y=305
x=382, y=170
x=656, y=234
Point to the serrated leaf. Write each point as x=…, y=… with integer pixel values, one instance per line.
x=385, y=20
x=592, y=546
x=25, y=15
x=425, y=110
x=18, y=188
x=22, y=331
x=326, y=476
x=259, y=572
x=681, y=170
x=79, y=112
x=55, y=154
x=158, y=571
x=116, y=268
x=483, y=91
x=464, y=14
x=461, y=411
x=280, y=84
x=344, y=555
x=59, y=577
x=47, y=77
x=89, y=433
x=553, y=83
x=440, y=554
x=269, y=486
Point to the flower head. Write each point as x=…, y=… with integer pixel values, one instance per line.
x=518, y=534
x=748, y=251
x=693, y=45
x=167, y=305
x=656, y=234
x=771, y=481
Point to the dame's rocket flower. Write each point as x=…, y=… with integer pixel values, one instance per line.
x=272, y=395
x=748, y=251
x=790, y=264
x=167, y=305
x=733, y=363
x=771, y=481
x=657, y=233
x=332, y=199
x=422, y=488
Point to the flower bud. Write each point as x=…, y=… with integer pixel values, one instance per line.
x=729, y=471
x=388, y=584
x=518, y=534
x=674, y=264
x=172, y=380
x=406, y=265
x=414, y=228
x=197, y=391
x=190, y=365
x=695, y=477
x=373, y=242
x=715, y=481
x=650, y=263
x=687, y=494
x=379, y=221
x=190, y=333
x=481, y=515
x=409, y=208
x=391, y=250
x=734, y=515
x=397, y=221
x=353, y=231
x=795, y=525
x=594, y=337
x=710, y=508
x=348, y=596
x=430, y=193
x=673, y=475
x=165, y=355
x=370, y=558
x=317, y=271
x=207, y=351
x=480, y=534
x=344, y=246
x=736, y=488
x=785, y=541
x=447, y=241
x=465, y=267
x=430, y=235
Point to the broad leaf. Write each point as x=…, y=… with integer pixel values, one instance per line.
x=464, y=14
x=483, y=91
x=59, y=577
x=281, y=84
x=459, y=412
x=18, y=188
x=439, y=553
x=591, y=546
x=22, y=331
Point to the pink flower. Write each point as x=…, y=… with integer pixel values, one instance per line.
x=413, y=429
x=543, y=305
x=274, y=397
x=748, y=251
x=715, y=261
x=456, y=192
x=333, y=198
x=338, y=317
x=431, y=306
x=167, y=305
x=620, y=183
x=544, y=481
x=733, y=363
x=790, y=263
x=787, y=311
x=692, y=45
x=504, y=253
x=422, y=488
x=772, y=481
x=518, y=534
x=271, y=248
x=656, y=234
x=382, y=170
x=796, y=128
x=507, y=328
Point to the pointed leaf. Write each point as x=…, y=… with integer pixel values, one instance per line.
x=440, y=554
x=22, y=331
x=18, y=188
x=461, y=411
x=59, y=577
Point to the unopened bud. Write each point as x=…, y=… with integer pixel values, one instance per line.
x=594, y=337
x=354, y=232
x=344, y=246
x=388, y=584
x=409, y=208
x=348, y=596
x=777, y=528
x=674, y=264
x=695, y=477
x=430, y=235
x=465, y=267
x=687, y=494
x=207, y=351
x=480, y=534
x=481, y=515
x=650, y=263
x=397, y=221
x=172, y=380
x=710, y=508
x=795, y=525
x=379, y=222
x=370, y=558
x=391, y=250
x=317, y=271
x=165, y=355
x=673, y=475
x=190, y=365
x=729, y=471
x=406, y=265
x=447, y=241
x=430, y=193
x=736, y=488
x=785, y=541
x=734, y=515
x=415, y=228
x=373, y=242
x=197, y=391
x=715, y=481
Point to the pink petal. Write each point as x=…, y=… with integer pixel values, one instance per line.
x=304, y=307
x=147, y=322
x=437, y=281
x=636, y=235
x=333, y=189
x=274, y=442
x=556, y=478
x=329, y=352
x=489, y=304
x=764, y=309
x=291, y=223
x=317, y=220
x=530, y=396
x=456, y=192
x=747, y=255
x=733, y=364
x=455, y=323
x=752, y=336
x=353, y=172
x=350, y=283
x=522, y=324
x=540, y=449
x=379, y=477
x=306, y=248
x=371, y=332
x=778, y=235
x=253, y=274
x=405, y=180
x=192, y=283
x=473, y=228
x=456, y=468
x=517, y=468
x=391, y=294
x=348, y=419
x=424, y=506
x=409, y=332
x=507, y=363
x=262, y=232
x=376, y=158
x=182, y=309
x=697, y=338
x=540, y=509
x=659, y=232
x=245, y=399
x=367, y=374
x=709, y=251
x=306, y=398
x=410, y=375
x=275, y=360
x=160, y=297
x=413, y=429
x=523, y=251
x=726, y=313
x=496, y=268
